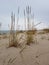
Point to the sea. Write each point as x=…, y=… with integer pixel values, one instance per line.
x=4, y=31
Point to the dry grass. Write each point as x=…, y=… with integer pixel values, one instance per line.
x=44, y=31
x=29, y=38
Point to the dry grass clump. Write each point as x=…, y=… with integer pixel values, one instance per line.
x=44, y=31
x=22, y=38
x=3, y=36
x=12, y=41
x=30, y=38
x=41, y=32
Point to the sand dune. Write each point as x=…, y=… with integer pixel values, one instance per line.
x=35, y=54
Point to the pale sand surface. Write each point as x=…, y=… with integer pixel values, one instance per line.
x=35, y=54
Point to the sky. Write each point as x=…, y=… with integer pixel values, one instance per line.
x=40, y=8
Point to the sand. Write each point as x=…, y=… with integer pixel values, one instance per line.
x=35, y=54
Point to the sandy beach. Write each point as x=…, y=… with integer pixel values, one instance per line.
x=33, y=54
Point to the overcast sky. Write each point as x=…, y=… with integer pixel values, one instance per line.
x=39, y=7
